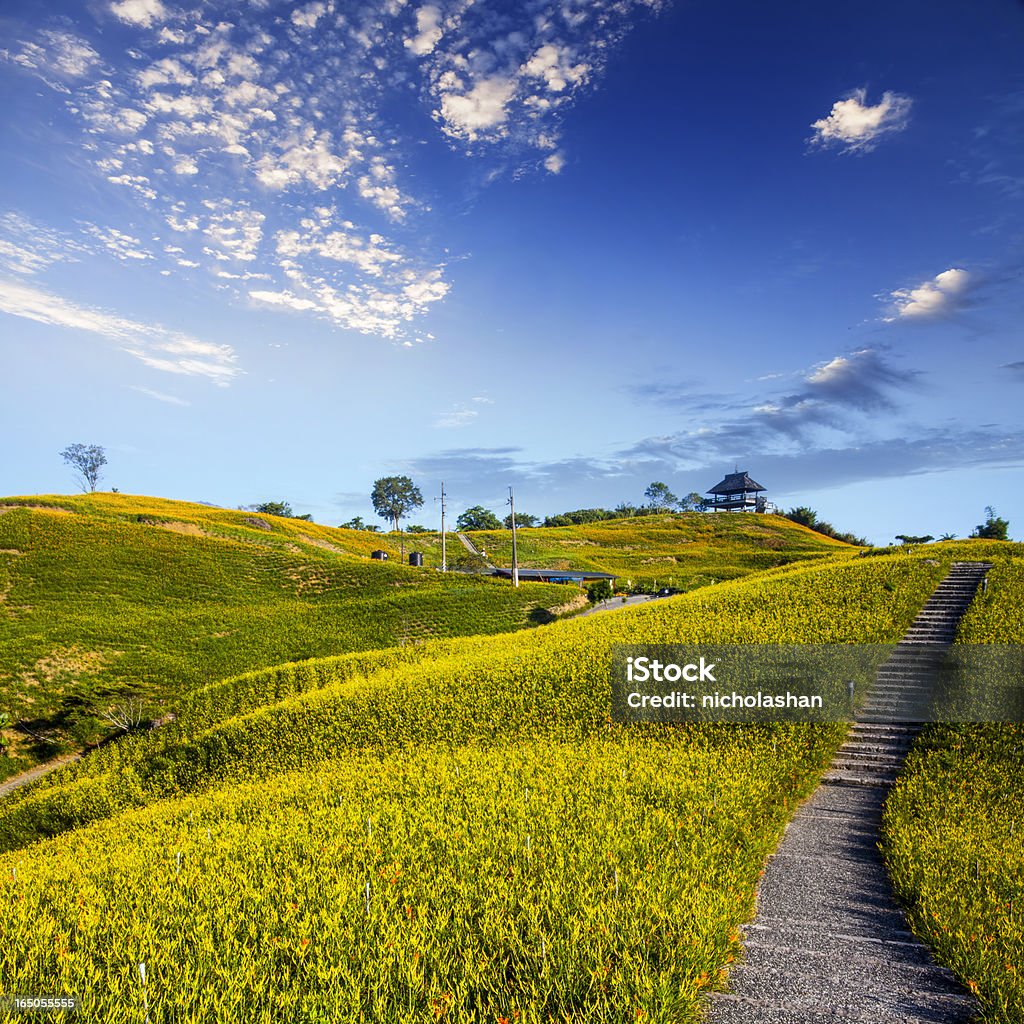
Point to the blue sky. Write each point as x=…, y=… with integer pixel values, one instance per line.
x=277, y=250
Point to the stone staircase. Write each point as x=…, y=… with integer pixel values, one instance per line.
x=897, y=703
x=830, y=944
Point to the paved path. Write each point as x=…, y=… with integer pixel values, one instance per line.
x=17, y=781
x=615, y=603
x=829, y=944
x=472, y=549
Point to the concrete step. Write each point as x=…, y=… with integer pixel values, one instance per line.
x=841, y=777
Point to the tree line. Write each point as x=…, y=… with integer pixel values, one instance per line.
x=395, y=497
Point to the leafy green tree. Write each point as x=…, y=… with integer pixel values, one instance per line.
x=279, y=508
x=600, y=590
x=692, y=502
x=910, y=539
x=478, y=518
x=660, y=498
x=804, y=516
x=355, y=523
x=993, y=528
x=416, y=528
x=394, y=497
x=87, y=460
x=580, y=517
x=522, y=519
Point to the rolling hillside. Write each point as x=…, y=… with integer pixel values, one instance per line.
x=111, y=598
x=108, y=597
x=451, y=830
x=681, y=551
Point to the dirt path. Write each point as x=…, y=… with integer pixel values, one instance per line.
x=23, y=779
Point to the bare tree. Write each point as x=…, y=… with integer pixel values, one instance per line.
x=87, y=460
x=126, y=717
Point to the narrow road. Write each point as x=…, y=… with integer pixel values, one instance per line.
x=830, y=944
x=24, y=778
x=615, y=603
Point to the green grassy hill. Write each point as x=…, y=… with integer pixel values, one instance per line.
x=682, y=551
x=454, y=830
x=106, y=597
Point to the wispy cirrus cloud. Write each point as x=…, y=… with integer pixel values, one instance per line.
x=462, y=414
x=159, y=396
x=154, y=345
x=855, y=126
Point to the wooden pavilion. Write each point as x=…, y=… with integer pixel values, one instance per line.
x=738, y=493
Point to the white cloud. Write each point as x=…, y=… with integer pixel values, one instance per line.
x=554, y=64
x=942, y=295
x=462, y=414
x=554, y=163
x=139, y=12
x=311, y=160
x=855, y=126
x=370, y=255
x=428, y=30
x=58, y=54
x=119, y=244
x=285, y=299
x=458, y=417
x=159, y=395
x=27, y=248
x=308, y=16
x=479, y=109
x=154, y=345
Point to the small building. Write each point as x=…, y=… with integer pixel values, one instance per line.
x=556, y=575
x=738, y=493
x=379, y=555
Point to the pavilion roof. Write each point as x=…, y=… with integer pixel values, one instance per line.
x=736, y=482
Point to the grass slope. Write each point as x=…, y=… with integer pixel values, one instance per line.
x=682, y=551
x=455, y=831
x=106, y=596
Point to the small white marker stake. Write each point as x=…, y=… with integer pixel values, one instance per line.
x=616, y=883
x=178, y=859
x=367, y=899
x=145, y=1001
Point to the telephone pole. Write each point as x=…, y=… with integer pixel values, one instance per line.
x=515, y=561
x=444, y=550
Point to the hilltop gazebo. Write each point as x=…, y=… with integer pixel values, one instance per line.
x=737, y=493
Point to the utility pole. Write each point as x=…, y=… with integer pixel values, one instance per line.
x=444, y=550
x=515, y=561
